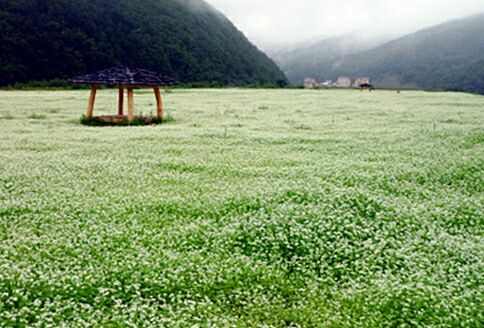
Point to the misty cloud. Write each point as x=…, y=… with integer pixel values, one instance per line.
x=273, y=23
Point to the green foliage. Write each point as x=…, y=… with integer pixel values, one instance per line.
x=185, y=39
x=6, y=116
x=55, y=84
x=235, y=216
x=35, y=116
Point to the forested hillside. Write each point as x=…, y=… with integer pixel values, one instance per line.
x=466, y=77
x=186, y=39
x=446, y=56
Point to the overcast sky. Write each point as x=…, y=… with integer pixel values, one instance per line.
x=270, y=23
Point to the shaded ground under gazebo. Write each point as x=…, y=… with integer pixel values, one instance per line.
x=124, y=78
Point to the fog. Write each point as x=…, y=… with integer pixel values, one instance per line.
x=277, y=23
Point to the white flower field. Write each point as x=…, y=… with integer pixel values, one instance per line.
x=250, y=208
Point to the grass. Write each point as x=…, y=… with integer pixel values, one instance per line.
x=255, y=208
x=35, y=116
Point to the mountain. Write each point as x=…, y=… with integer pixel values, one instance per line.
x=467, y=77
x=445, y=56
x=186, y=39
x=306, y=60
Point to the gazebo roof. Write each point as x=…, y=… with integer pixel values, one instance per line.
x=125, y=76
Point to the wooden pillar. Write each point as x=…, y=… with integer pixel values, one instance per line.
x=130, y=105
x=92, y=99
x=159, y=103
x=121, y=101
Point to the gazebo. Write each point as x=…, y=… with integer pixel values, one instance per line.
x=124, y=78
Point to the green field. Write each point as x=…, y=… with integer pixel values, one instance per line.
x=252, y=208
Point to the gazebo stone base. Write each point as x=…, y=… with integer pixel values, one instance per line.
x=113, y=118
x=105, y=120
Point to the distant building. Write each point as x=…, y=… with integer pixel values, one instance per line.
x=343, y=82
x=362, y=80
x=310, y=83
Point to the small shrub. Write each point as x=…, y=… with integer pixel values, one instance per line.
x=35, y=116
x=168, y=119
x=7, y=116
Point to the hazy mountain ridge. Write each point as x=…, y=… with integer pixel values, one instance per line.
x=328, y=52
x=186, y=39
x=437, y=57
